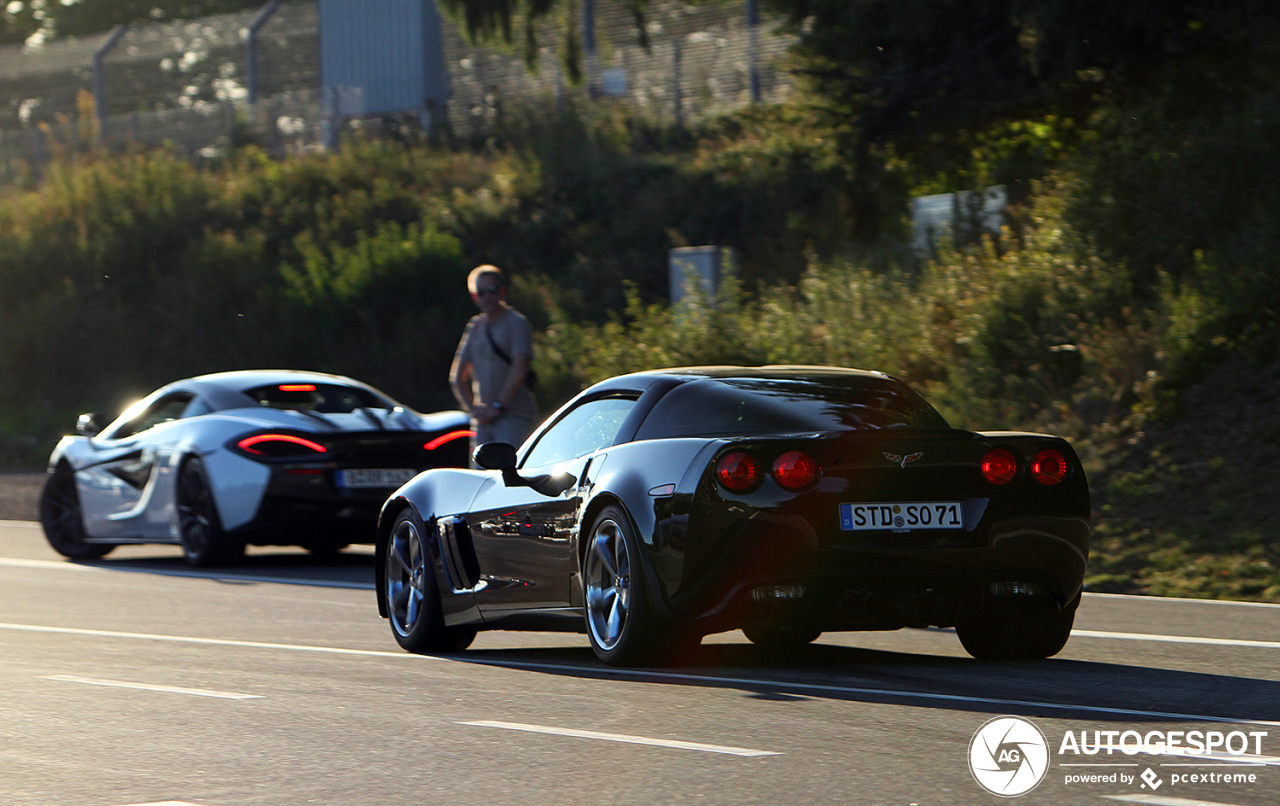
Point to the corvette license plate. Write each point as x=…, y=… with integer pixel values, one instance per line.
x=901, y=516
x=374, y=477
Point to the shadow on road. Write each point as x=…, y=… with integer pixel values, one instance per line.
x=1053, y=688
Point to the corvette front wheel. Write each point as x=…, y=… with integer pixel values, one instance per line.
x=204, y=542
x=410, y=592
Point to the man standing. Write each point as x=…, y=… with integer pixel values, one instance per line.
x=491, y=367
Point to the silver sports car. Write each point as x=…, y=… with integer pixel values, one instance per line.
x=262, y=457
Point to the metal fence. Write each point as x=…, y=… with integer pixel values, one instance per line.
x=184, y=83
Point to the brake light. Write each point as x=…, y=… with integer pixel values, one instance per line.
x=795, y=469
x=1049, y=467
x=449, y=437
x=297, y=387
x=737, y=471
x=277, y=445
x=999, y=466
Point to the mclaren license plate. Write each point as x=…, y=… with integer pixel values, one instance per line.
x=363, y=478
x=901, y=516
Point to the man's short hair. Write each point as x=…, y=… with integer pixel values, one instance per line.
x=486, y=270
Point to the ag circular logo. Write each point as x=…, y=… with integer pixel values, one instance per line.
x=1008, y=756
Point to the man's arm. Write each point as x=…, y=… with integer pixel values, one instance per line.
x=515, y=378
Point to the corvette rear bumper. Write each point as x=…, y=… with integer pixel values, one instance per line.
x=772, y=574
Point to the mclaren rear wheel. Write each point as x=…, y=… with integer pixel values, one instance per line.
x=412, y=595
x=62, y=519
x=204, y=542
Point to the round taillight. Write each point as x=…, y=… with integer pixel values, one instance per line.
x=1049, y=467
x=999, y=466
x=737, y=471
x=795, y=469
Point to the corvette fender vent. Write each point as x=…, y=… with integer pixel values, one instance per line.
x=458, y=554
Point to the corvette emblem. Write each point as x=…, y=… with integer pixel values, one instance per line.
x=903, y=461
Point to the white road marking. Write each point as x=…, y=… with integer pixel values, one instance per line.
x=1141, y=598
x=214, y=575
x=649, y=675
x=1165, y=800
x=197, y=692
x=624, y=738
x=19, y=524
x=1175, y=639
x=164, y=803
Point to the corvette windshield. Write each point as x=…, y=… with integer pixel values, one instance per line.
x=732, y=406
x=324, y=398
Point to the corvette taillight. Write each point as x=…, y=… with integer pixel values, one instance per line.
x=795, y=469
x=999, y=466
x=449, y=437
x=280, y=445
x=1049, y=467
x=737, y=471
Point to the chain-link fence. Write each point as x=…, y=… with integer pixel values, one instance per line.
x=184, y=83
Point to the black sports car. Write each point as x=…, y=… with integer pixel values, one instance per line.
x=658, y=507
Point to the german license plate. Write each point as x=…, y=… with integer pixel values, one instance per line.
x=374, y=477
x=901, y=516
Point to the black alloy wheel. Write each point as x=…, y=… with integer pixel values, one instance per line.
x=62, y=519
x=204, y=542
x=412, y=595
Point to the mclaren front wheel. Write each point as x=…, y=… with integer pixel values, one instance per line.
x=62, y=519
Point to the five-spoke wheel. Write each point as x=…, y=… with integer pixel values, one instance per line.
x=411, y=595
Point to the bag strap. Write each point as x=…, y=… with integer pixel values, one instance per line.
x=498, y=351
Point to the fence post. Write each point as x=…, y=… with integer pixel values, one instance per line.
x=676, y=96
x=251, y=49
x=100, y=78
x=753, y=72
x=589, y=46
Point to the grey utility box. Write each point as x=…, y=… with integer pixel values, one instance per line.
x=708, y=266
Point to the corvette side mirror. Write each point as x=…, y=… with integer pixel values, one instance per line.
x=495, y=456
x=89, y=425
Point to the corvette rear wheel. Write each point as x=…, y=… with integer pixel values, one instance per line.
x=1016, y=638
x=61, y=518
x=781, y=637
x=620, y=623
x=411, y=593
x=204, y=542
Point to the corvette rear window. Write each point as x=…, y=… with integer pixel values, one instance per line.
x=325, y=398
x=734, y=406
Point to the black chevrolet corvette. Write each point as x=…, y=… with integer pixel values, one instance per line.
x=658, y=507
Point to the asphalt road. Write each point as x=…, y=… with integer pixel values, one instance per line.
x=137, y=680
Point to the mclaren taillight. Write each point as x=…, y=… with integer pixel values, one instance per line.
x=449, y=437
x=795, y=469
x=297, y=387
x=737, y=471
x=1049, y=467
x=280, y=445
x=999, y=466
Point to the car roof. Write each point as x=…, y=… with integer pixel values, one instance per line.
x=642, y=380
x=225, y=390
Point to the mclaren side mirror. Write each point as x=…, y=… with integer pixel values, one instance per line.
x=495, y=456
x=89, y=425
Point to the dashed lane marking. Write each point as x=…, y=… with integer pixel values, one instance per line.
x=624, y=738
x=195, y=692
x=1165, y=800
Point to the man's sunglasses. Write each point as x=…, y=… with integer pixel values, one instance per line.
x=482, y=290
